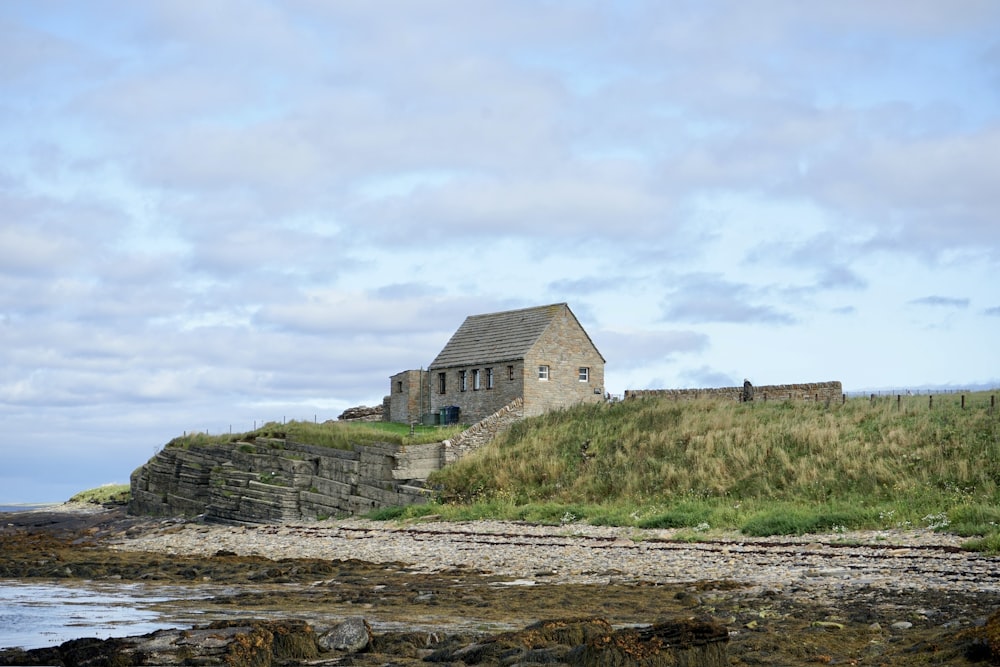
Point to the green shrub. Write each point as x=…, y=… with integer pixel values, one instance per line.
x=989, y=544
x=970, y=520
x=682, y=516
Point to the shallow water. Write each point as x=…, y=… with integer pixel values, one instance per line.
x=34, y=615
x=25, y=507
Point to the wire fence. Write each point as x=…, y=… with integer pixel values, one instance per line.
x=916, y=392
x=930, y=398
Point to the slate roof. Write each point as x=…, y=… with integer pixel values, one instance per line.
x=496, y=337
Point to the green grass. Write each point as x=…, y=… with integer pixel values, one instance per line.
x=339, y=435
x=763, y=468
x=109, y=493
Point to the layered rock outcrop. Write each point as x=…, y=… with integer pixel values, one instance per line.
x=273, y=481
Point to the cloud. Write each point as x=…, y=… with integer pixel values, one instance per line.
x=940, y=301
x=993, y=312
x=625, y=350
x=705, y=376
x=702, y=298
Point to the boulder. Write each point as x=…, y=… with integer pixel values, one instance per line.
x=243, y=643
x=362, y=413
x=592, y=641
x=354, y=635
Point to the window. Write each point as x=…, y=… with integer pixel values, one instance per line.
x=399, y=386
x=463, y=382
x=475, y=380
x=584, y=374
x=510, y=372
x=543, y=372
x=442, y=384
x=489, y=378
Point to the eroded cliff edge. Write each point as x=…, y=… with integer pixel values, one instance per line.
x=266, y=480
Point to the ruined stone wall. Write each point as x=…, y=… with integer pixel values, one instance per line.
x=807, y=391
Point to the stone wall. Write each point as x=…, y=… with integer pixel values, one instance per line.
x=807, y=391
x=272, y=481
x=483, y=432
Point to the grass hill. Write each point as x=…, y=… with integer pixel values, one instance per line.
x=762, y=468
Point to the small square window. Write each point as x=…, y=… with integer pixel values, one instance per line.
x=584, y=374
x=543, y=372
x=399, y=386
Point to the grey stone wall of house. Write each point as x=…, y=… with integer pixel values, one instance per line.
x=407, y=398
x=807, y=391
x=477, y=404
x=565, y=349
x=483, y=431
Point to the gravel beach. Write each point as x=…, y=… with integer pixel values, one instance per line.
x=897, y=597
x=583, y=554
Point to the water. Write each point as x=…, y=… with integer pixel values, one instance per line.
x=40, y=615
x=25, y=507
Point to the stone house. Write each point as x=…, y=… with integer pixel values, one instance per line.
x=541, y=355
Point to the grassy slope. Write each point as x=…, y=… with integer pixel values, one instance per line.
x=340, y=435
x=764, y=468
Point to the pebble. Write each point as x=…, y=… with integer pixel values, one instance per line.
x=578, y=553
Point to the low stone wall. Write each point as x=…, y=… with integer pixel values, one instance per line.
x=484, y=431
x=807, y=391
x=272, y=481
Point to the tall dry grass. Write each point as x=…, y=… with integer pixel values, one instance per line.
x=899, y=459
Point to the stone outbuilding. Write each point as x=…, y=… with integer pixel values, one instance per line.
x=541, y=355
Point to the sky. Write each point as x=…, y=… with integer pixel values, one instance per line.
x=218, y=214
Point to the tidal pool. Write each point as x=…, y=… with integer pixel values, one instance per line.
x=37, y=615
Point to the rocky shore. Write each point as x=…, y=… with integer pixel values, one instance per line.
x=443, y=589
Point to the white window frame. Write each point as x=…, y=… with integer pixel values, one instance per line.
x=476, y=380
x=584, y=374
x=543, y=372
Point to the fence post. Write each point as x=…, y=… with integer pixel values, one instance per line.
x=963, y=401
x=843, y=399
x=899, y=400
x=930, y=400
